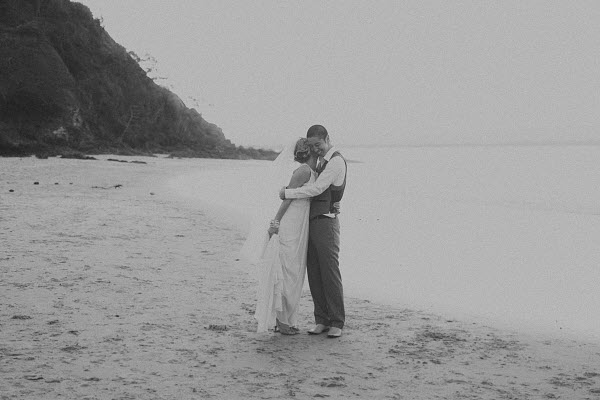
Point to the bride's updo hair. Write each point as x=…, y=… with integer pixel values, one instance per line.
x=302, y=151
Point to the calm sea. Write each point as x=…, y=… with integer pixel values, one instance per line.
x=504, y=235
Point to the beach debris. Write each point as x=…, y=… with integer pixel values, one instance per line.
x=125, y=161
x=151, y=193
x=74, y=333
x=36, y=183
x=218, y=328
x=77, y=156
x=21, y=317
x=33, y=377
x=107, y=187
x=11, y=190
x=53, y=322
x=56, y=183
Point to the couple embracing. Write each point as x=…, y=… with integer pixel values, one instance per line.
x=303, y=237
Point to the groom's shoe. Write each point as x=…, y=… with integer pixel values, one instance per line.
x=318, y=329
x=334, y=332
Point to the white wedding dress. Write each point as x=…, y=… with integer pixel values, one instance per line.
x=282, y=268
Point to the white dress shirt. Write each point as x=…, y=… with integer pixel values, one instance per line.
x=333, y=174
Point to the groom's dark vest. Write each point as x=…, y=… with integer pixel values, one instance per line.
x=323, y=203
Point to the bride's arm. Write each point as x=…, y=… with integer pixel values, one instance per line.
x=299, y=178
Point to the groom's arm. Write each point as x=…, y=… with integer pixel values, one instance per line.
x=335, y=167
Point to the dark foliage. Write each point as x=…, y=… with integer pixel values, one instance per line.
x=65, y=85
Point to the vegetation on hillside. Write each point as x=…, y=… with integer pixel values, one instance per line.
x=65, y=85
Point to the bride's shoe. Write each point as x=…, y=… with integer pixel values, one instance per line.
x=289, y=331
x=284, y=329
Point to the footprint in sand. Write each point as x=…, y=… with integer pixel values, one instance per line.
x=218, y=328
x=336, y=381
x=33, y=377
x=72, y=349
x=21, y=317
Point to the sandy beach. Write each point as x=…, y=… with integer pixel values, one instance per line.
x=114, y=286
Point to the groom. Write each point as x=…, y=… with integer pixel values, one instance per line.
x=324, y=276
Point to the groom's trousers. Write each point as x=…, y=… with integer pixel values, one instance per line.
x=323, y=269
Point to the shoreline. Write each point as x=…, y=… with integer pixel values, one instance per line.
x=421, y=279
x=120, y=292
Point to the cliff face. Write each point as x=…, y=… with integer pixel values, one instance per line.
x=65, y=84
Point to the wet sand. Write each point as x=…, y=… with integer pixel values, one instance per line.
x=114, y=286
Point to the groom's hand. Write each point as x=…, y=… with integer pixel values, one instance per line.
x=282, y=193
x=337, y=207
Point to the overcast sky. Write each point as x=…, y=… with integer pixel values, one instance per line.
x=375, y=72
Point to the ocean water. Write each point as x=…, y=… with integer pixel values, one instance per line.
x=504, y=235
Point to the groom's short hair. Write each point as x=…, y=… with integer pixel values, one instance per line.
x=317, y=131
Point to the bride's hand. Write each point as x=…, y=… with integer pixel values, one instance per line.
x=273, y=227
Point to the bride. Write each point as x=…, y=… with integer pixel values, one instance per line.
x=279, y=248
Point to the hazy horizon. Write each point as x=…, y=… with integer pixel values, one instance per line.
x=385, y=73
